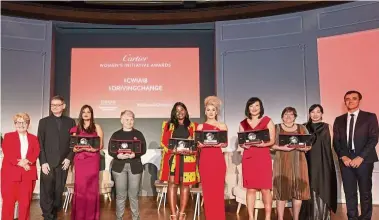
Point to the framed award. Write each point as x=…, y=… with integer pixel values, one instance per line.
x=125, y=146
x=211, y=137
x=295, y=140
x=182, y=146
x=84, y=142
x=253, y=137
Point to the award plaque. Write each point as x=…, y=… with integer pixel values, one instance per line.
x=295, y=140
x=125, y=146
x=180, y=146
x=84, y=142
x=211, y=137
x=253, y=137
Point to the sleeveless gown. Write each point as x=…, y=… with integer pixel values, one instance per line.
x=322, y=176
x=86, y=201
x=212, y=169
x=256, y=161
x=290, y=171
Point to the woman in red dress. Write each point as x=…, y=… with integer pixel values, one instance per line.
x=86, y=202
x=212, y=164
x=256, y=159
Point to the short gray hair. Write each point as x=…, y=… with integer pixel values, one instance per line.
x=127, y=112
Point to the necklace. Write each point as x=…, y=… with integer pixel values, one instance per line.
x=289, y=126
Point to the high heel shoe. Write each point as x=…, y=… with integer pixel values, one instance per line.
x=173, y=217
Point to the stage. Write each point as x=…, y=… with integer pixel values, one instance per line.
x=148, y=210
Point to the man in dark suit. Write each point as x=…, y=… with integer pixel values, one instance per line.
x=355, y=138
x=55, y=157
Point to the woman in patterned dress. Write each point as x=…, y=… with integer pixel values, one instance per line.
x=178, y=170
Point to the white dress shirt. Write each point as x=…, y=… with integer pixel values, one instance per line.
x=24, y=145
x=348, y=125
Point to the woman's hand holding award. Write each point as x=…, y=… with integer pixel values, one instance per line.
x=256, y=138
x=125, y=149
x=182, y=146
x=301, y=142
x=211, y=138
x=84, y=143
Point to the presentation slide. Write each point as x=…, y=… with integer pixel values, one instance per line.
x=147, y=81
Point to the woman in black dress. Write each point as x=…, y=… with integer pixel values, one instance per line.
x=322, y=172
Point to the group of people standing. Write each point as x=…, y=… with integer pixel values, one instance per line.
x=185, y=171
x=305, y=175
x=52, y=146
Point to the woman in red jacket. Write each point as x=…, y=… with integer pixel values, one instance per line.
x=18, y=172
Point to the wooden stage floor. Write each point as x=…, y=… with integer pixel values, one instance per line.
x=148, y=211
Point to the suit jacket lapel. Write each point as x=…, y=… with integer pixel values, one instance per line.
x=360, y=120
x=344, y=127
x=29, y=145
x=66, y=124
x=18, y=145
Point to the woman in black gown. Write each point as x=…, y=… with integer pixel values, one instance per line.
x=322, y=172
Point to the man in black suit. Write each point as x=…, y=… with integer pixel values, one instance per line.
x=355, y=138
x=55, y=157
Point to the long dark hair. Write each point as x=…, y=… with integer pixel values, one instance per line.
x=309, y=123
x=174, y=120
x=91, y=128
x=251, y=101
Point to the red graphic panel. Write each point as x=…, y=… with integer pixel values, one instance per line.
x=349, y=62
x=147, y=81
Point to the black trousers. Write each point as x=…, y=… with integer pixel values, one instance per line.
x=51, y=191
x=361, y=176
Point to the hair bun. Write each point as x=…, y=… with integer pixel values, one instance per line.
x=213, y=100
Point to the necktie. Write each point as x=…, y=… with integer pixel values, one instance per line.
x=350, y=141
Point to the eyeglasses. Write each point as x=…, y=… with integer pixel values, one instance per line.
x=55, y=105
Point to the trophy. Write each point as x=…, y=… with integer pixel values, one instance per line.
x=182, y=146
x=253, y=137
x=125, y=146
x=84, y=142
x=296, y=140
x=211, y=137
